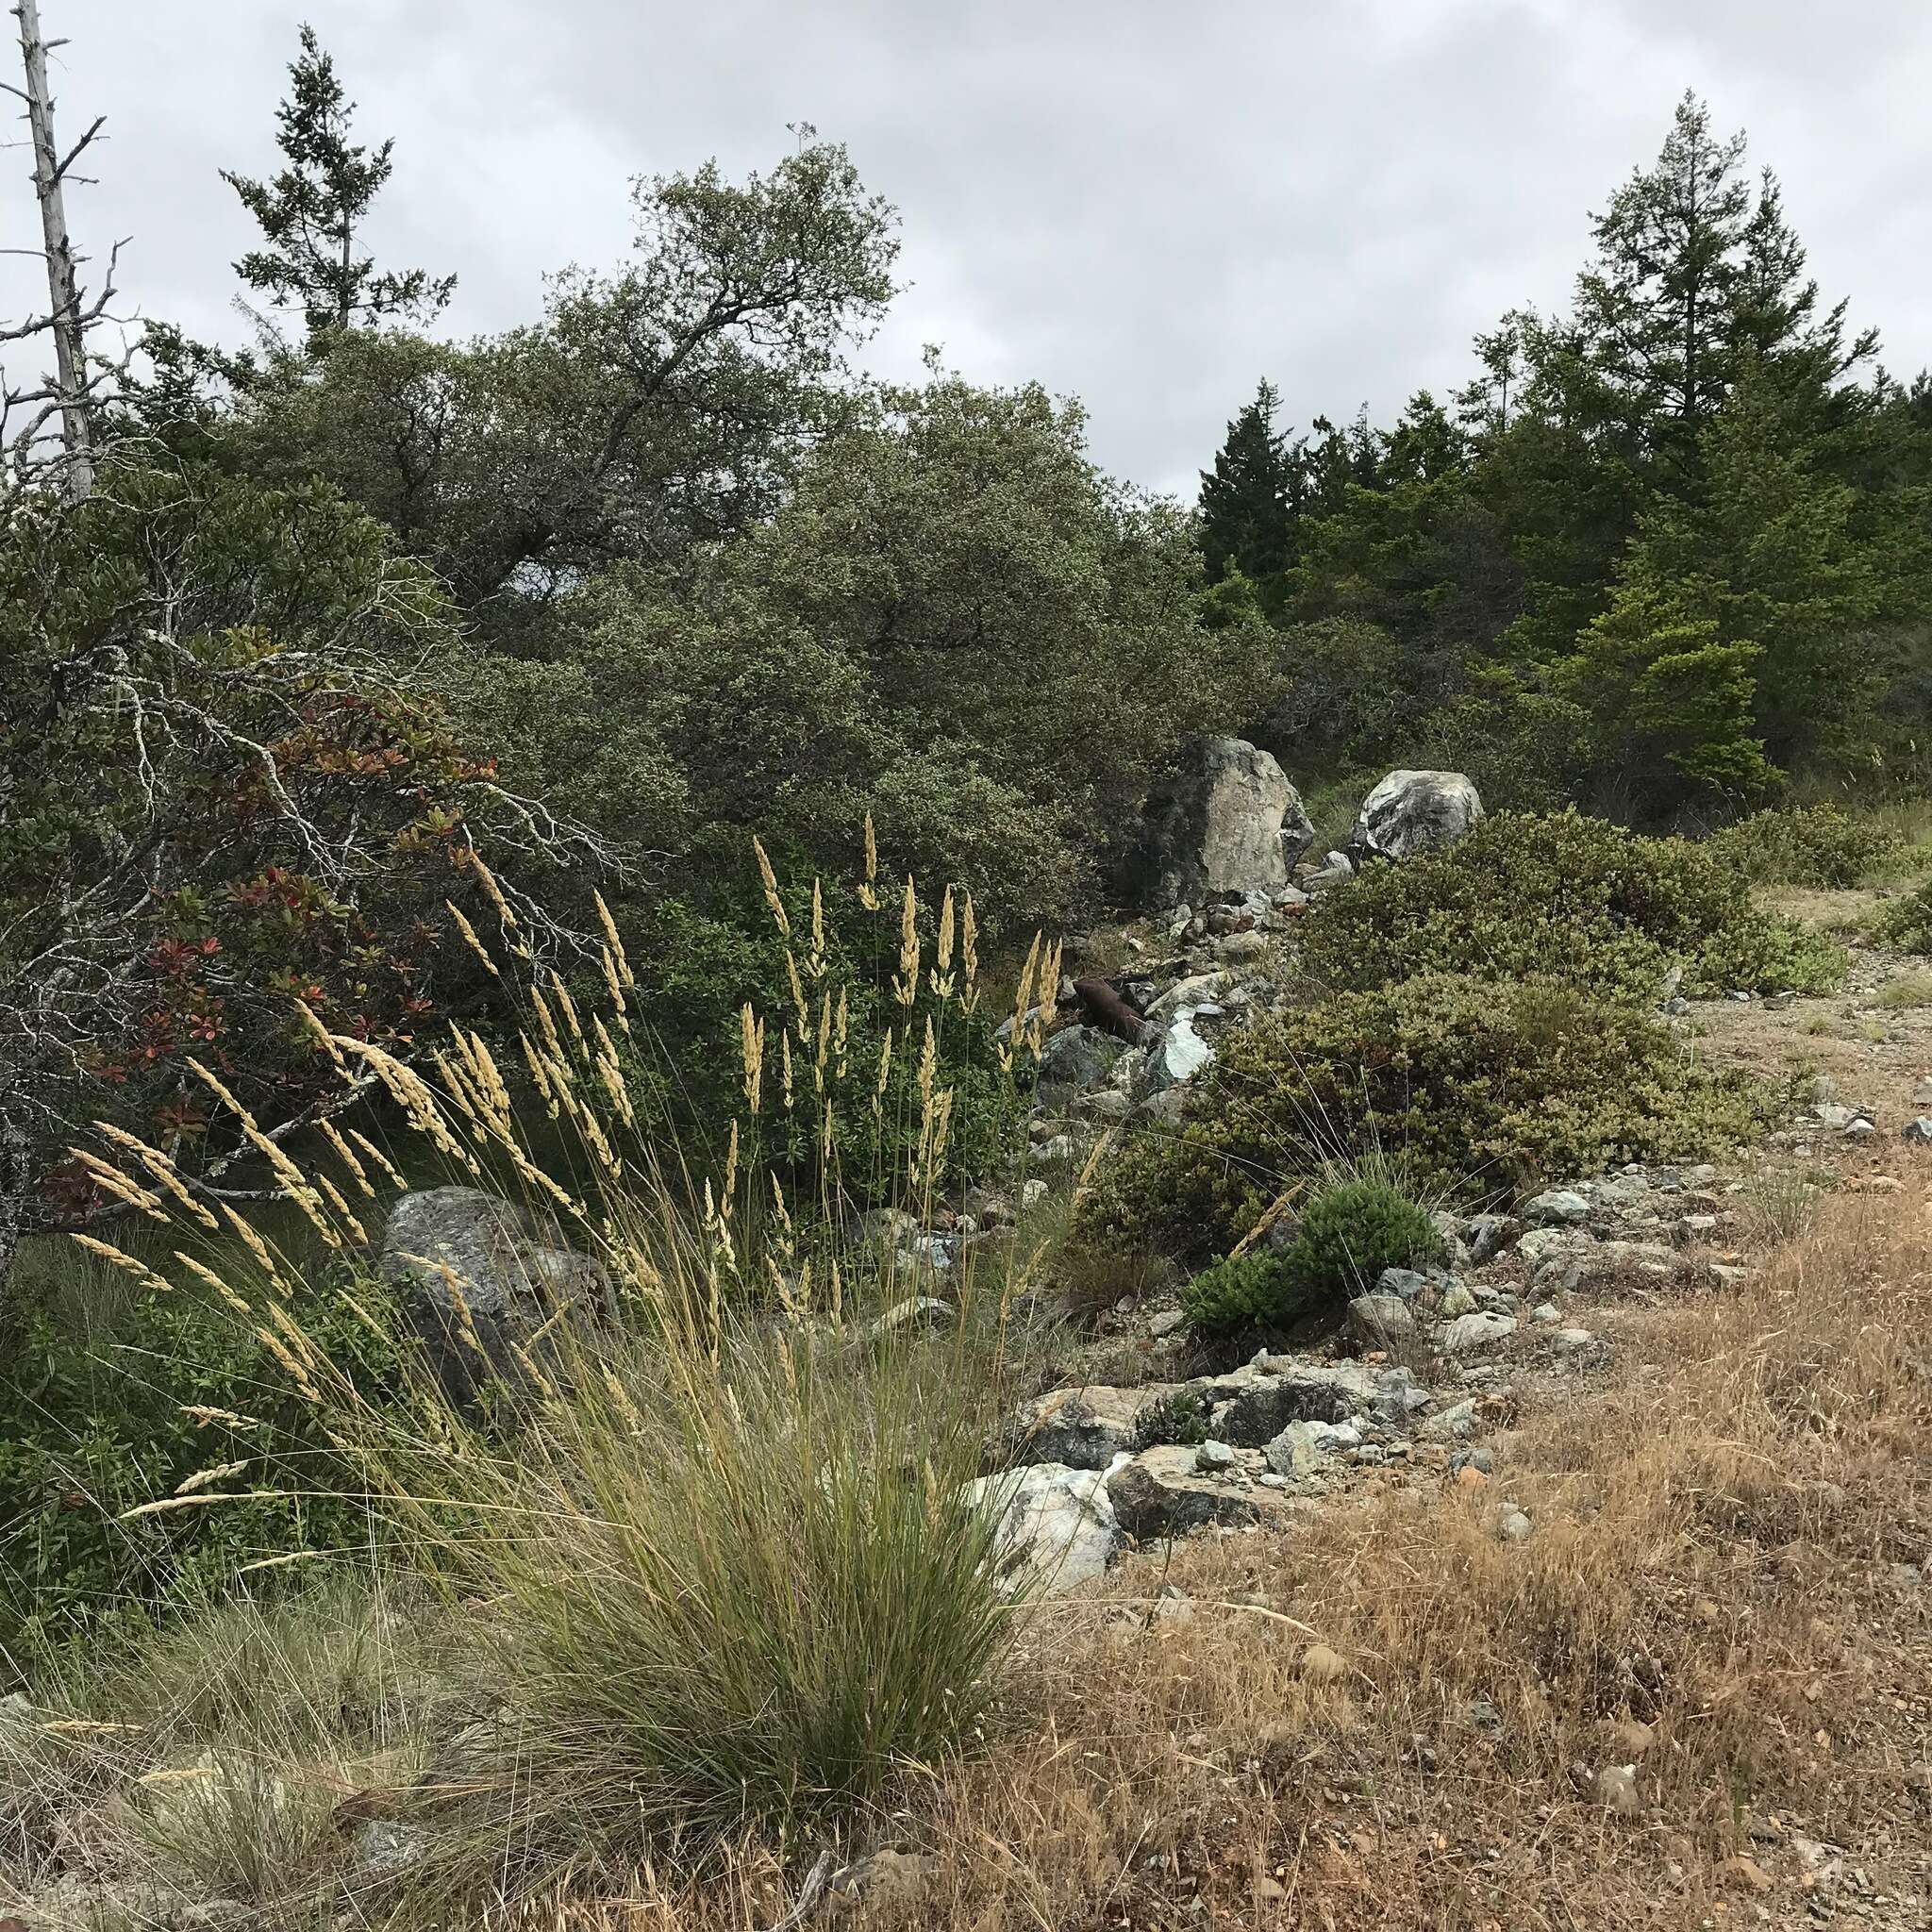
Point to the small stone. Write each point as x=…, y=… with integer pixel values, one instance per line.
x=1632, y=1737
x=1457, y=1300
x=1470, y=1478
x=1165, y=1323
x=1215, y=1458
x=1920, y=1130
x=1545, y=1312
x=1376, y=1320
x=1321, y=1665
x=1485, y=1718
x=1482, y=1329
x=1403, y=1283
x=1573, y=1338
x=1512, y=1526
x=1558, y=1208
x=1032, y=1193
x=1173, y=1605
x=924, y=1309
x=1616, y=1789
x=386, y=1847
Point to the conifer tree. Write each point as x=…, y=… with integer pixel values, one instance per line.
x=1247, y=500
x=312, y=212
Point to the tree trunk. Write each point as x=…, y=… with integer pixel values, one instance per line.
x=70, y=336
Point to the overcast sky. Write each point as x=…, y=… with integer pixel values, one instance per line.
x=1145, y=203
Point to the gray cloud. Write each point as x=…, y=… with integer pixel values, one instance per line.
x=1145, y=204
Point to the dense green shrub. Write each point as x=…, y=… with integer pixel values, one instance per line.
x=1241, y=1291
x=1475, y=1085
x=1349, y=1232
x=707, y=965
x=99, y=1415
x=1568, y=898
x=1820, y=845
x=1907, y=923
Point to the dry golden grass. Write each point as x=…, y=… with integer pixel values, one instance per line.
x=1710, y=1594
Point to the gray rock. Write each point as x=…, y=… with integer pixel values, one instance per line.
x=1160, y=1493
x=1297, y=1452
x=1920, y=1130
x=1453, y=1424
x=1573, y=1338
x=386, y=1848
x=1189, y=993
x=1545, y=1244
x=1335, y=870
x=1165, y=1323
x=1242, y=945
x=1216, y=1458
x=1558, y=1208
x=1467, y=1332
x=470, y=1264
x=1379, y=1321
x=1086, y=1428
x=1229, y=822
x=1403, y=1283
x=923, y=1311
x=1487, y=1235
x=1457, y=1299
x=1077, y=1059
x=1414, y=811
x=1057, y=1526
x=1177, y=1056
x=1258, y=1412
x=1399, y=1397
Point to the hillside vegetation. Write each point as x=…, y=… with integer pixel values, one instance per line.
x=713, y=1208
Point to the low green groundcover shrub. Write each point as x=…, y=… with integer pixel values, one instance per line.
x=1821, y=845
x=1349, y=1232
x=1565, y=897
x=1907, y=923
x=1473, y=1086
x=1239, y=1292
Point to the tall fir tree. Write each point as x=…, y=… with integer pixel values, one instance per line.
x=1248, y=498
x=311, y=214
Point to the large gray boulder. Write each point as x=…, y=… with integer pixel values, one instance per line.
x=1413, y=811
x=1056, y=1525
x=1227, y=823
x=477, y=1279
x=1162, y=1493
x=1089, y=1426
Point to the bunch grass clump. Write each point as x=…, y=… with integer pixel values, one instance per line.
x=705, y=1547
